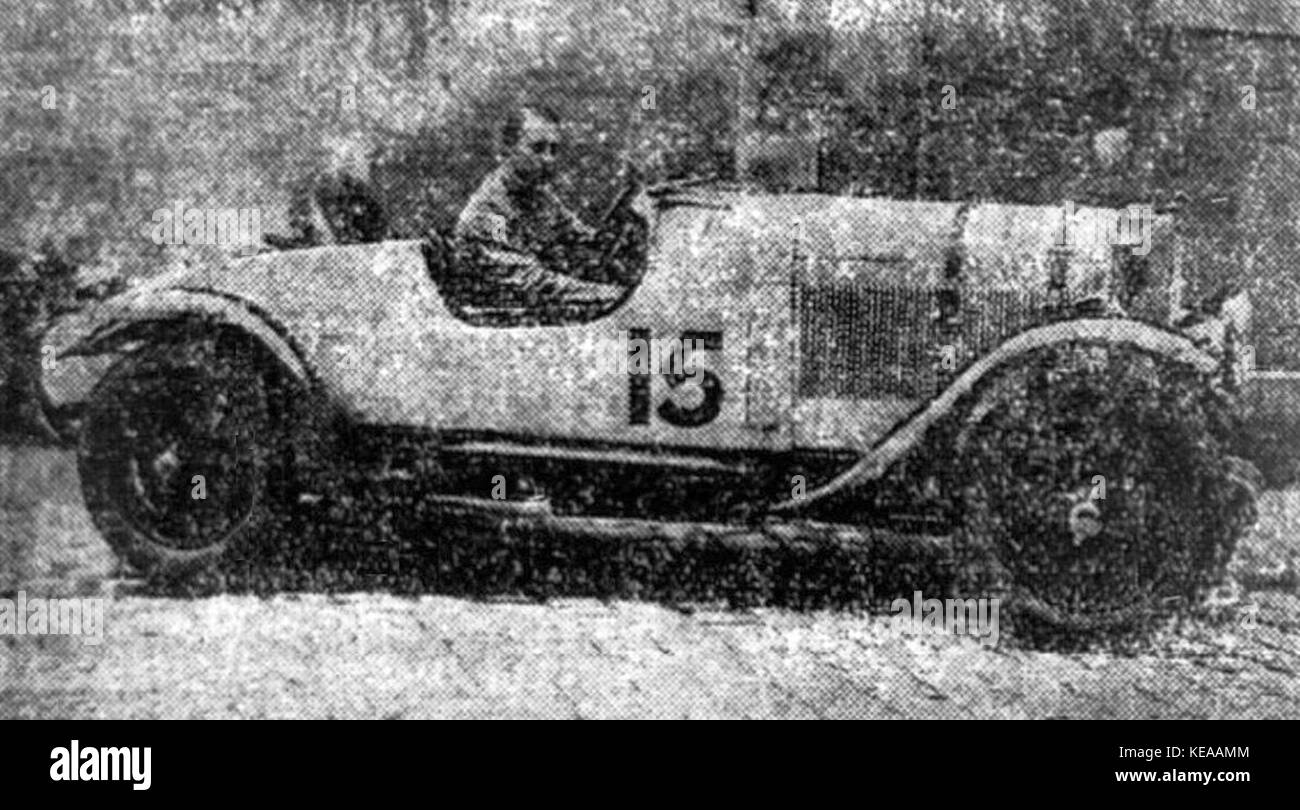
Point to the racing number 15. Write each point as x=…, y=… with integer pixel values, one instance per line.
x=671, y=412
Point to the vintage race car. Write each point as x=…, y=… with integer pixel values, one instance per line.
x=962, y=371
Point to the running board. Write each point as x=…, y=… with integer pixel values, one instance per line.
x=587, y=455
x=536, y=515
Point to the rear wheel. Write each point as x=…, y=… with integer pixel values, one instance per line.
x=174, y=453
x=1093, y=489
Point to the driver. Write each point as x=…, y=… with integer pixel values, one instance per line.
x=514, y=226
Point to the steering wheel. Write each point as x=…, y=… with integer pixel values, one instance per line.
x=624, y=228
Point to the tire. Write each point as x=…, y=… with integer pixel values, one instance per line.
x=64, y=421
x=1094, y=492
x=160, y=418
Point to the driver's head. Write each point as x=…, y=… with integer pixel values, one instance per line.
x=532, y=140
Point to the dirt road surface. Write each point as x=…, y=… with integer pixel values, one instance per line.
x=382, y=656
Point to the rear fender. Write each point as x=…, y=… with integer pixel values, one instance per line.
x=144, y=317
x=156, y=317
x=909, y=434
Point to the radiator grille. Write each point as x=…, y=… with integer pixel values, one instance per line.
x=860, y=340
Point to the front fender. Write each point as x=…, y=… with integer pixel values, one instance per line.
x=909, y=434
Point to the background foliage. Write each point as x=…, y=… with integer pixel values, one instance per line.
x=228, y=103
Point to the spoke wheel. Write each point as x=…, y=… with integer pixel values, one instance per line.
x=173, y=454
x=1093, y=492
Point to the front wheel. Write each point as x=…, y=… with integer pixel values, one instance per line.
x=1094, y=490
x=174, y=454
